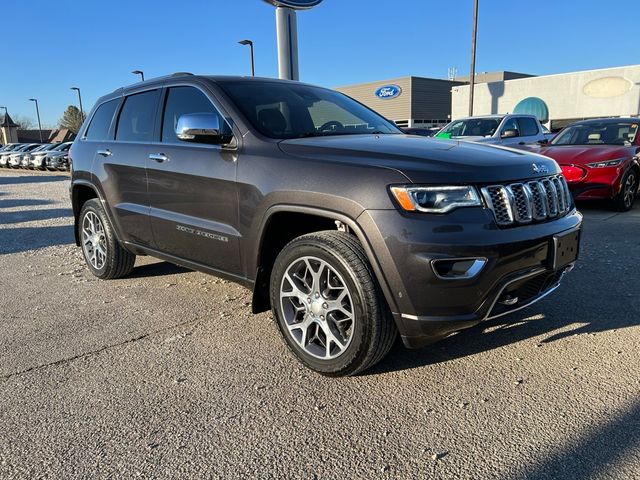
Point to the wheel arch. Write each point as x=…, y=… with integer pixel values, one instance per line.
x=267, y=250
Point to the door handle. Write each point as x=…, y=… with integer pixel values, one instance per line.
x=105, y=153
x=159, y=157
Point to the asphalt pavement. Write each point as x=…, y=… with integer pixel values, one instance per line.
x=167, y=374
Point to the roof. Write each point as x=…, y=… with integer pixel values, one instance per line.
x=610, y=120
x=7, y=121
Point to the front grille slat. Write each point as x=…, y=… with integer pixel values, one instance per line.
x=535, y=200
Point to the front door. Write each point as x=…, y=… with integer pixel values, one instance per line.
x=192, y=190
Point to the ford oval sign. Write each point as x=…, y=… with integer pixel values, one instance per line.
x=296, y=4
x=388, y=92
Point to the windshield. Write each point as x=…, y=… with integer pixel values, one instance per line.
x=63, y=147
x=598, y=133
x=472, y=127
x=42, y=148
x=286, y=110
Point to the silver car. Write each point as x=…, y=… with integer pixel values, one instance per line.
x=508, y=130
x=16, y=157
x=57, y=159
x=38, y=157
x=8, y=150
x=25, y=161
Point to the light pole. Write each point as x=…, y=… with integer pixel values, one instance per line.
x=139, y=72
x=472, y=75
x=79, y=100
x=38, y=114
x=250, y=43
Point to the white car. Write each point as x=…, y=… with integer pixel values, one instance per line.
x=508, y=130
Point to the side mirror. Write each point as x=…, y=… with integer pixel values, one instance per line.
x=509, y=134
x=200, y=128
x=544, y=141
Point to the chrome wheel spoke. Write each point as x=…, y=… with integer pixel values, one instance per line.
x=317, y=307
x=94, y=242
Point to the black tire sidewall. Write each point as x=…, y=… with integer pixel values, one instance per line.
x=362, y=328
x=620, y=198
x=95, y=207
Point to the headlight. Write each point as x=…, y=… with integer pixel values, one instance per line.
x=435, y=199
x=607, y=163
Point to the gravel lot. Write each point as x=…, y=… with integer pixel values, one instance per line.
x=167, y=374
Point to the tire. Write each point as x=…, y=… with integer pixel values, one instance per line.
x=102, y=251
x=623, y=202
x=329, y=331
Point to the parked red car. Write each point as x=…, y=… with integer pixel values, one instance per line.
x=600, y=159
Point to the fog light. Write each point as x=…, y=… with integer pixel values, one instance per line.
x=458, y=268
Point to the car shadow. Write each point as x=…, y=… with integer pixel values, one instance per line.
x=22, y=202
x=593, y=453
x=22, y=239
x=32, y=179
x=158, y=269
x=578, y=307
x=34, y=215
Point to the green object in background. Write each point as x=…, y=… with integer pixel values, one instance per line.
x=443, y=135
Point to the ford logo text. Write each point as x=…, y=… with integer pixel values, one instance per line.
x=388, y=92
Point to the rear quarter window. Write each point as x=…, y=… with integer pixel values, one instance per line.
x=101, y=122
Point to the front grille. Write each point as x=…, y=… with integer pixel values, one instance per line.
x=526, y=202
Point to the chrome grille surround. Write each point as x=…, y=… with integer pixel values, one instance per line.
x=525, y=202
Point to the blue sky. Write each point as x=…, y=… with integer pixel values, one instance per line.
x=95, y=44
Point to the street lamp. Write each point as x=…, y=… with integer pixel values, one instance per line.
x=38, y=114
x=250, y=43
x=472, y=75
x=79, y=100
x=139, y=72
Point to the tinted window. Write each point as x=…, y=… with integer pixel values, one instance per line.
x=101, y=121
x=528, y=126
x=598, y=133
x=182, y=100
x=137, y=117
x=511, y=124
x=472, y=127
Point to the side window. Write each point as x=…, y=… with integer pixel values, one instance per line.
x=137, y=117
x=101, y=121
x=528, y=127
x=183, y=100
x=511, y=124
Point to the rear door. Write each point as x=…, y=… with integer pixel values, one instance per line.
x=192, y=189
x=120, y=163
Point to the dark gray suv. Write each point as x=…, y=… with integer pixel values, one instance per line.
x=347, y=229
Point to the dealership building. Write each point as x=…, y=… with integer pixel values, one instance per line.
x=556, y=100
x=417, y=102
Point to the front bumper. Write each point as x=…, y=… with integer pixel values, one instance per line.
x=519, y=265
x=594, y=183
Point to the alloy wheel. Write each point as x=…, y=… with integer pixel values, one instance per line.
x=630, y=190
x=317, y=307
x=94, y=242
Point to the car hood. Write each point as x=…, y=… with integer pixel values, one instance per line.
x=582, y=154
x=423, y=159
x=57, y=154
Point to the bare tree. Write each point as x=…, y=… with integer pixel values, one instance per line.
x=24, y=123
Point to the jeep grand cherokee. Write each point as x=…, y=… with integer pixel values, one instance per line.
x=347, y=229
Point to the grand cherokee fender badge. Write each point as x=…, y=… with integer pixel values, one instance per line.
x=539, y=168
x=200, y=233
